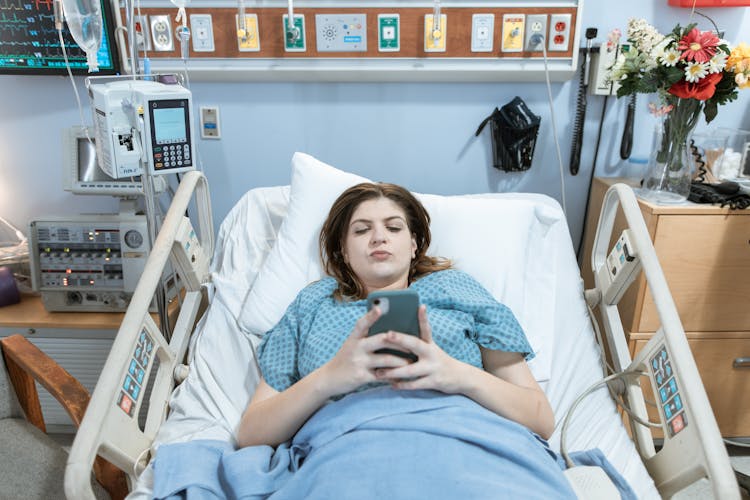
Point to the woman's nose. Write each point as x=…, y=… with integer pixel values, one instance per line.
x=378, y=235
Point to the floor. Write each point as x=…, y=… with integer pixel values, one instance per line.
x=739, y=456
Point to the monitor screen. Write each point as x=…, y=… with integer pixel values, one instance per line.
x=81, y=172
x=30, y=44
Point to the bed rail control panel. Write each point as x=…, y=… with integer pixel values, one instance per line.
x=192, y=261
x=667, y=391
x=620, y=269
x=134, y=382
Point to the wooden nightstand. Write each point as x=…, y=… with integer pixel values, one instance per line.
x=704, y=251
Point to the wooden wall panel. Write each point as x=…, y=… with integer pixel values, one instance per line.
x=411, y=25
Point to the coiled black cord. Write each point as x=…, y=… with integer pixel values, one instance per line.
x=702, y=170
x=577, y=144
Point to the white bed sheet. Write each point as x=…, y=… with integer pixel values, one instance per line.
x=209, y=403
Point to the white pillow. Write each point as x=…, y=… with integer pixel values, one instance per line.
x=487, y=236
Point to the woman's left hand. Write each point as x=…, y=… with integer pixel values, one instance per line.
x=434, y=369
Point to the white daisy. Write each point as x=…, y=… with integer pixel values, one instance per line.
x=670, y=57
x=718, y=62
x=694, y=71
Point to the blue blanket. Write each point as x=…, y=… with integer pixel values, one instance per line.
x=377, y=444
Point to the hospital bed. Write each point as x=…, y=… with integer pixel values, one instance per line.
x=200, y=378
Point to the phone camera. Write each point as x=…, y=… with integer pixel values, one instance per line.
x=376, y=302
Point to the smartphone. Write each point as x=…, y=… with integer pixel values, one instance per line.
x=399, y=310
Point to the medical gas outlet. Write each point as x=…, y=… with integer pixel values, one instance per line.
x=294, y=38
x=513, y=30
x=389, y=32
x=248, y=39
x=435, y=33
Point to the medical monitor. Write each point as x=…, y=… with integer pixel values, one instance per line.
x=30, y=44
x=81, y=172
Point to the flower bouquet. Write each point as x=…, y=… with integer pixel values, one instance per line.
x=691, y=71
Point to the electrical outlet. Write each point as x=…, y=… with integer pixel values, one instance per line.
x=559, y=33
x=389, y=33
x=341, y=32
x=161, y=33
x=482, y=32
x=248, y=40
x=210, y=122
x=296, y=43
x=203, y=32
x=536, y=32
x=142, y=33
x=434, y=38
x=513, y=28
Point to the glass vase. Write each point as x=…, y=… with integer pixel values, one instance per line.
x=671, y=166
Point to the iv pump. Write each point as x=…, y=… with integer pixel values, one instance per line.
x=142, y=125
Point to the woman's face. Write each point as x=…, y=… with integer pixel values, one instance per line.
x=379, y=246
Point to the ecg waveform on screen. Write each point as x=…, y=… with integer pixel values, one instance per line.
x=28, y=37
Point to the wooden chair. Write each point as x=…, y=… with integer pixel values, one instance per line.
x=33, y=463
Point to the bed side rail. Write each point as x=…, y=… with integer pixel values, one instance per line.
x=693, y=446
x=110, y=426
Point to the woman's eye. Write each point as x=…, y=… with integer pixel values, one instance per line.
x=394, y=229
x=361, y=230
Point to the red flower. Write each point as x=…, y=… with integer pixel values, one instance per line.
x=698, y=46
x=702, y=89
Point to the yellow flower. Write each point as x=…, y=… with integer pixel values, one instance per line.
x=739, y=62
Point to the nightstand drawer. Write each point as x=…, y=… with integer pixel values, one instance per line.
x=728, y=388
x=706, y=261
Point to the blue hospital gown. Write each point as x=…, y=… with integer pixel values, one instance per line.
x=462, y=313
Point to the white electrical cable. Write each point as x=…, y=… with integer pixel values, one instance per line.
x=554, y=126
x=592, y=388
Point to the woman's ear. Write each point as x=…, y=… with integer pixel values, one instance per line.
x=413, y=245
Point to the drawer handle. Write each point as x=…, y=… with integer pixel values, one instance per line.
x=741, y=363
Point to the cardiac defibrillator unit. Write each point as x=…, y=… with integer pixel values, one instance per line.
x=142, y=123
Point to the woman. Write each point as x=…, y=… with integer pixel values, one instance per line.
x=376, y=238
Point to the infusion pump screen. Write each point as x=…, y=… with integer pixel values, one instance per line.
x=169, y=126
x=170, y=135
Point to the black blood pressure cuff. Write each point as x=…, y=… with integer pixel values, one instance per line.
x=722, y=195
x=513, y=131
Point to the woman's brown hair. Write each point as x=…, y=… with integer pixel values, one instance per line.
x=334, y=230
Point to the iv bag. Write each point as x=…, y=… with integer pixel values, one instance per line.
x=84, y=18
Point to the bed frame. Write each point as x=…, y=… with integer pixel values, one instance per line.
x=110, y=427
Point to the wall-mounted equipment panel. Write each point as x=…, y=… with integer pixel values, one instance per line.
x=376, y=40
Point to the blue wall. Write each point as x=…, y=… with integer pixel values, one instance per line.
x=418, y=135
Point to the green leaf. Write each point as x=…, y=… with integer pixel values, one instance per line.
x=710, y=110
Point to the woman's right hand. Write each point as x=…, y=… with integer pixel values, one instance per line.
x=355, y=363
